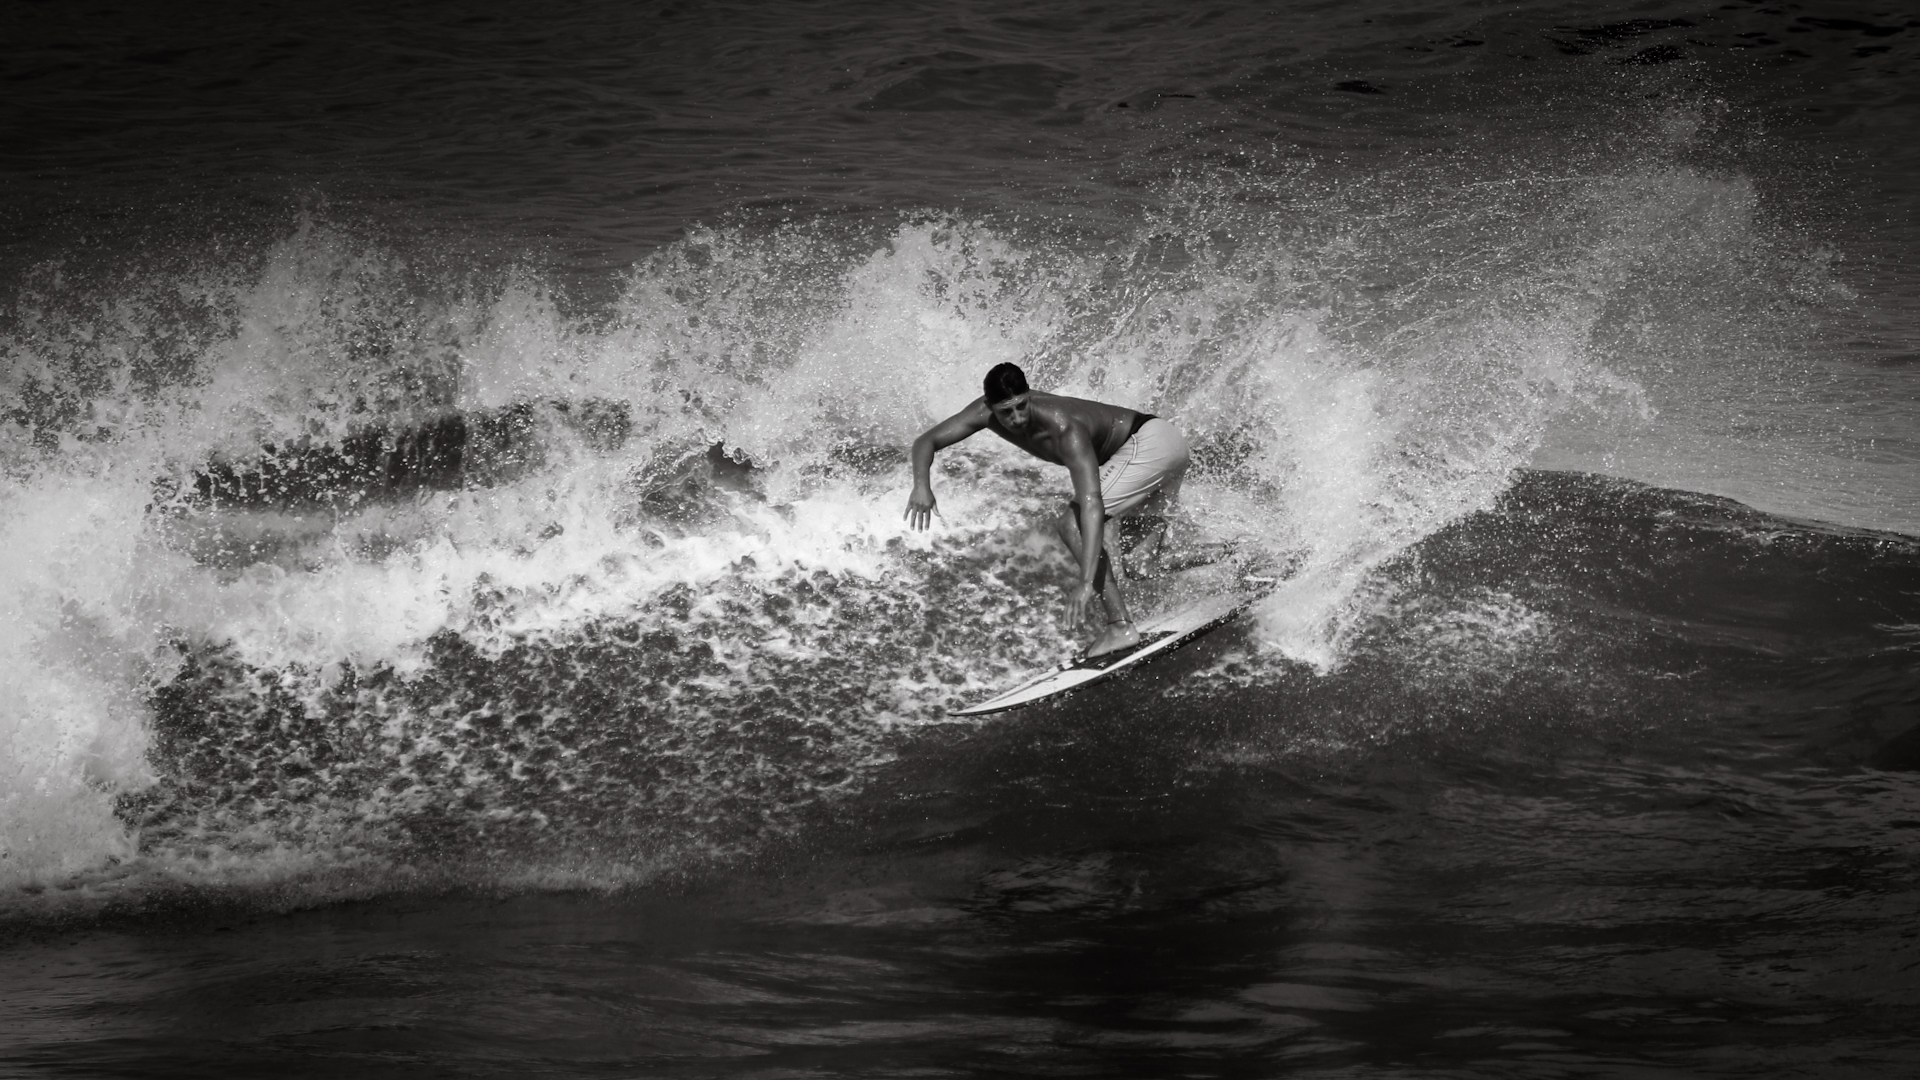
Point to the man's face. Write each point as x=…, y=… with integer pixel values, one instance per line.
x=1012, y=412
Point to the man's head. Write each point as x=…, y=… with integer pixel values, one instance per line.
x=1007, y=396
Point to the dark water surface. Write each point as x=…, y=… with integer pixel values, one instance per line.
x=456, y=618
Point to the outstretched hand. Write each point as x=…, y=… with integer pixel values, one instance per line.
x=1078, y=603
x=920, y=508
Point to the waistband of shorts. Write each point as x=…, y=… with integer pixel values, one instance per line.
x=1139, y=421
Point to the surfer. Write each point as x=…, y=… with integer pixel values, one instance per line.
x=1122, y=462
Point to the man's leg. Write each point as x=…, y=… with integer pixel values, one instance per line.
x=1120, y=632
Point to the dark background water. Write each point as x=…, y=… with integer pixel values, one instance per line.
x=517, y=734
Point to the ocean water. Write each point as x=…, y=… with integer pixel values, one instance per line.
x=456, y=617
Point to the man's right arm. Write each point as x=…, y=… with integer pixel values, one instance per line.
x=954, y=428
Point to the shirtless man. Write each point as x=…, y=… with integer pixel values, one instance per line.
x=1121, y=461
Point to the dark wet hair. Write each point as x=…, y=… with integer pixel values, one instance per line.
x=1005, y=381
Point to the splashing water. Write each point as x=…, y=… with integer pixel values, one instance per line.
x=323, y=560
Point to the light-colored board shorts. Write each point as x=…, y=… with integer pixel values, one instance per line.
x=1144, y=475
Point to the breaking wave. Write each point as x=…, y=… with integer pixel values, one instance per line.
x=329, y=564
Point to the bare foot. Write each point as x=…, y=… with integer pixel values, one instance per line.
x=1116, y=636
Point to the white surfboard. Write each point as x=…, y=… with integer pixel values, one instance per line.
x=1158, y=636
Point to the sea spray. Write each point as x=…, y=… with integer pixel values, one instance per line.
x=428, y=568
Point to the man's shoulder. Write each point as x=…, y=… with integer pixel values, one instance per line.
x=976, y=412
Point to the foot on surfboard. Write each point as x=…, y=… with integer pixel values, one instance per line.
x=1117, y=636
